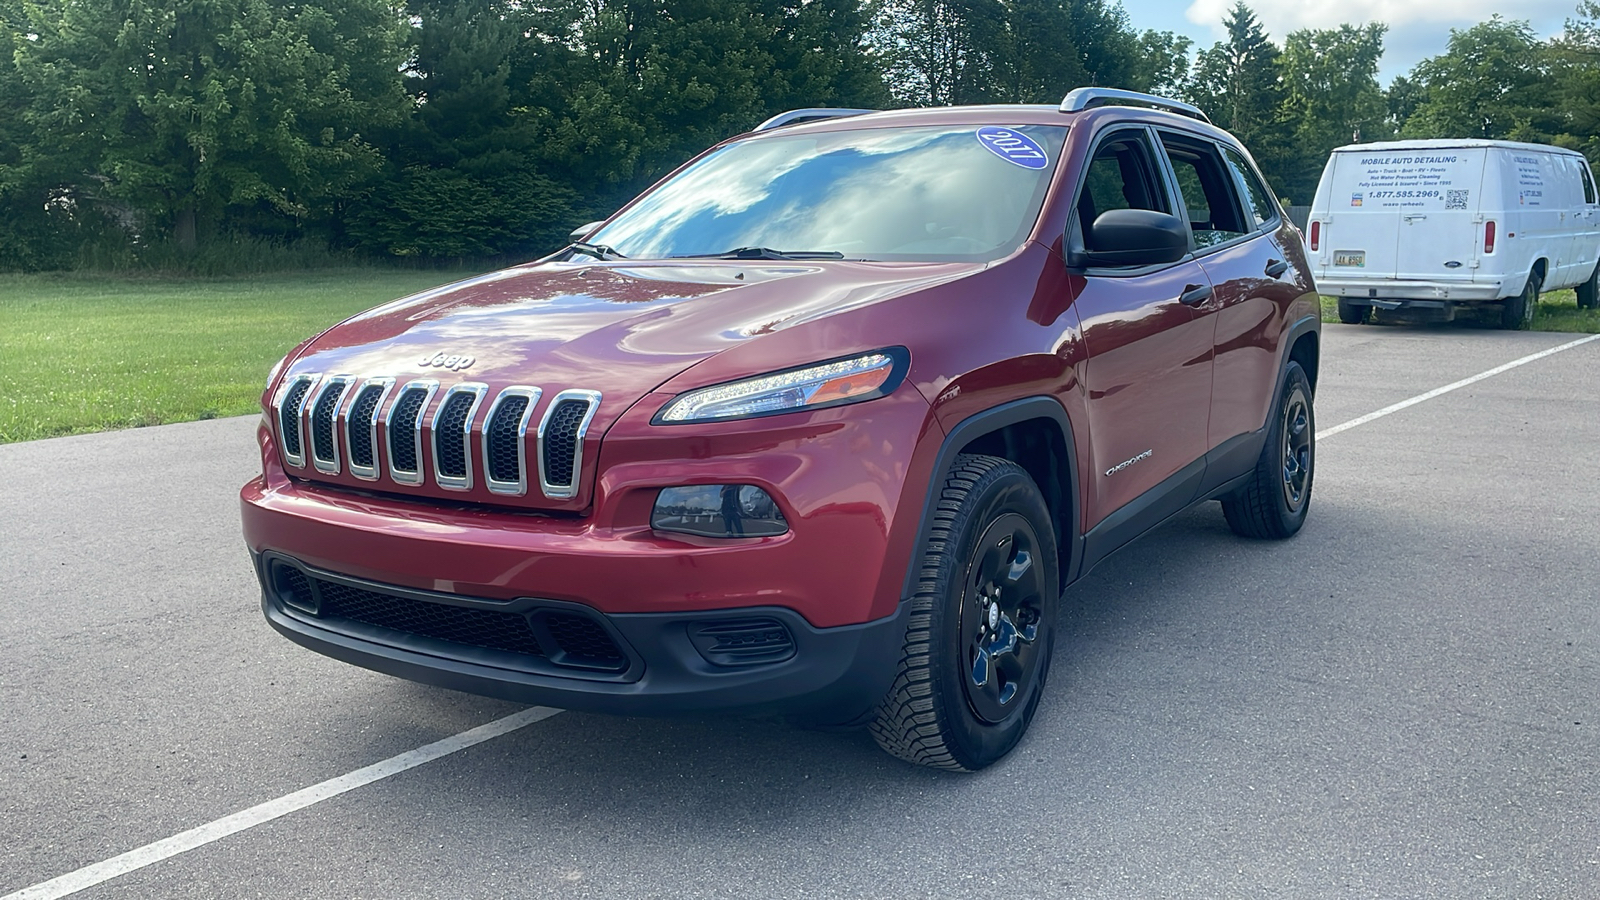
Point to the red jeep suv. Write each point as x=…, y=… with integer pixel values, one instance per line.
x=822, y=424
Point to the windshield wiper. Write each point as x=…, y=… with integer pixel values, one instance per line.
x=598, y=251
x=766, y=253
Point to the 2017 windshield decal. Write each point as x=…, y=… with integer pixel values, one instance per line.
x=1013, y=146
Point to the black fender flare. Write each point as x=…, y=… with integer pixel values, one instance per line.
x=978, y=425
x=1302, y=326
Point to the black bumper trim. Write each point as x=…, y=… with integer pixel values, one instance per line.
x=835, y=675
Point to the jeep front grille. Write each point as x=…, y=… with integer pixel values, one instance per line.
x=404, y=428
x=289, y=420
x=361, y=427
x=334, y=423
x=505, y=441
x=561, y=441
x=324, y=410
x=452, y=436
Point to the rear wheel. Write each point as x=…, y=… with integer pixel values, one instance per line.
x=1517, y=312
x=1354, y=313
x=1589, y=291
x=1274, y=502
x=982, y=623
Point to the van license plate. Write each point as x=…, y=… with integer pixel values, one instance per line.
x=1350, y=258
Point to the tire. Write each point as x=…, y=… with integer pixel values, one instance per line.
x=1274, y=503
x=1589, y=291
x=989, y=563
x=1516, y=313
x=1353, y=314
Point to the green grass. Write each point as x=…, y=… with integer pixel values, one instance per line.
x=1558, y=311
x=90, y=353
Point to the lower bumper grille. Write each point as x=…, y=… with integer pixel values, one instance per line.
x=558, y=637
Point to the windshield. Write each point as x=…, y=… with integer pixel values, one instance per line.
x=965, y=193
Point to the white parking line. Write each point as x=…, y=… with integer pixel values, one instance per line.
x=1413, y=401
x=89, y=876
x=100, y=872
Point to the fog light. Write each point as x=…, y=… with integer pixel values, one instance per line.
x=718, y=510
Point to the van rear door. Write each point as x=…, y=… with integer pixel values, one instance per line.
x=1359, y=234
x=1438, y=199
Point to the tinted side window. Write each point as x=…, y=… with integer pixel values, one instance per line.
x=1122, y=175
x=1588, y=181
x=1257, y=200
x=1215, y=214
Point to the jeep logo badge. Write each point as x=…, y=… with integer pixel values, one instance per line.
x=443, y=360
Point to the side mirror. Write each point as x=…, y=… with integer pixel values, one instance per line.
x=583, y=231
x=1132, y=238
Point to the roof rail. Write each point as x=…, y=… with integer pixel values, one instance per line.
x=1089, y=97
x=812, y=114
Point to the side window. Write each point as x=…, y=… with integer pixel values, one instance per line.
x=1259, y=202
x=1215, y=214
x=1122, y=175
x=1588, y=181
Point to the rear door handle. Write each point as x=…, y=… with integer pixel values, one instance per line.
x=1195, y=294
x=1276, y=267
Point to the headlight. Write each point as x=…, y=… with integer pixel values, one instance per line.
x=832, y=383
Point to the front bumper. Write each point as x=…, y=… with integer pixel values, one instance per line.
x=667, y=665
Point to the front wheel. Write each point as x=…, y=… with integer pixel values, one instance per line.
x=982, y=625
x=1274, y=502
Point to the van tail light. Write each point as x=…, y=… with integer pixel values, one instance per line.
x=1488, y=237
x=1316, y=236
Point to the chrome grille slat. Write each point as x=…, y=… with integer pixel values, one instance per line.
x=361, y=427
x=451, y=438
x=505, y=440
x=291, y=404
x=403, y=431
x=323, y=417
x=338, y=423
x=561, y=434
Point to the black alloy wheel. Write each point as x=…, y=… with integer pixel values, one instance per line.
x=1295, y=430
x=1274, y=502
x=1000, y=616
x=982, y=622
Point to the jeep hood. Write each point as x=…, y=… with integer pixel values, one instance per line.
x=619, y=328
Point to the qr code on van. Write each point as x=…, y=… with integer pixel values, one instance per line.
x=1455, y=199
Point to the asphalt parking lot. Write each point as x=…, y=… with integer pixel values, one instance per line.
x=1403, y=701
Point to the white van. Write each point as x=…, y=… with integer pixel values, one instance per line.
x=1428, y=226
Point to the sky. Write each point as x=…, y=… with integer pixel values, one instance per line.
x=1417, y=28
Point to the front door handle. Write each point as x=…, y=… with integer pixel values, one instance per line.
x=1276, y=267
x=1195, y=294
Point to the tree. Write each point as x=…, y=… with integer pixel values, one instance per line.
x=1333, y=97
x=1161, y=64
x=188, y=110
x=1239, y=83
x=1491, y=82
x=942, y=52
x=1576, y=69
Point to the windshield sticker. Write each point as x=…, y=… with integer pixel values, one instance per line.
x=1013, y=146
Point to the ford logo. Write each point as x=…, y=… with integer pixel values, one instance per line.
x=1453, y=264
x=445, y=360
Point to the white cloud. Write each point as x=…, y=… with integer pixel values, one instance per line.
x=1283, y=16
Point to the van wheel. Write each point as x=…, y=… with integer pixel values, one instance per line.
x=1274, y=502
x=1516, y=313
x=1589, y=291
x=982, y=625
x=1354, y=314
